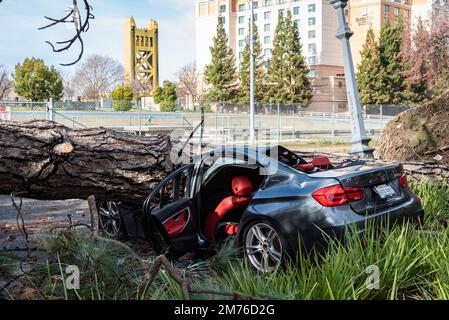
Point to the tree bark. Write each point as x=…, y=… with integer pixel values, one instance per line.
x=46, y=160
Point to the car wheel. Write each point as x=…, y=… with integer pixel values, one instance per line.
x=110, y=221
x=263, y=246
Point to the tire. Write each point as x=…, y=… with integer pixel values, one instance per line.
x=264, y=246
x=110, y=221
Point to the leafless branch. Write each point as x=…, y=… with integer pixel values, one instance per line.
x=6, y=83
x=190, y=79
x=96, y=76
x=81, y=24
x=185, y=286
x=19, y=218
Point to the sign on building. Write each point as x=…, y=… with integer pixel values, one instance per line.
x=5, y=113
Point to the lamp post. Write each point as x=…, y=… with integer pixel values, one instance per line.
x=251, y=74
x=360, y=141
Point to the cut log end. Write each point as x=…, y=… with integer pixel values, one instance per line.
x=63, y=149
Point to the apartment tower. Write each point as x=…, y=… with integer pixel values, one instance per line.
x=317, y=23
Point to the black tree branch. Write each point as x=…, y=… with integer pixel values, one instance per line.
x=81, y=24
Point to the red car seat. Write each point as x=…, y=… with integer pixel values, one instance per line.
x=321, y=162
x=242, y=188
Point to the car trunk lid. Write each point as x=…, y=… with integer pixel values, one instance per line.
x=380, y=183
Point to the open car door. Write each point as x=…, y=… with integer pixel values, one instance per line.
x=171, y=220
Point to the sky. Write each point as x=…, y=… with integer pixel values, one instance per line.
x=20, y=37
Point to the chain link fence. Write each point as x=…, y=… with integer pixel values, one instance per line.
x=228, y=122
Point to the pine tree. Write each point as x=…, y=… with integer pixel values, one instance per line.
x=259, y=72
x=276, y=68
x=288, y=71
x=395, y=88
x=220, y=74
x=371, y=73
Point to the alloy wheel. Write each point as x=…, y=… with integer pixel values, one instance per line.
x=263, y=247
x=109, y=218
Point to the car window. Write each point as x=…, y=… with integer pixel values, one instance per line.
x=210, y=165
x=289, y=158
x=172, y=190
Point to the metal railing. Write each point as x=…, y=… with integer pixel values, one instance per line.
x=219, y=125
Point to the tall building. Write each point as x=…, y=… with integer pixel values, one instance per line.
x=142, y=53
x=317, y=22
x=364, y=14
x=429, y=10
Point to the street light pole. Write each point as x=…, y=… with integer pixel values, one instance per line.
x=360, y=141
x=251, y=76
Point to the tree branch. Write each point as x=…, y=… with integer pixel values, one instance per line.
x=81, y=26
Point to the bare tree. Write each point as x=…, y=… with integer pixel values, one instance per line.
x=190, y=78
x=97, y=76
x=69, y=87
x=6, y=83
x=141, y=88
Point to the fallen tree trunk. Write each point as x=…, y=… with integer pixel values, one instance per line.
x=46, y=160
x=427, y=171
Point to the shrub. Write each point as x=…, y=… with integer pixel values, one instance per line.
x=168, y=106
x=123, y=93
x=123, y=97
x=166, y=97
x=123, y=105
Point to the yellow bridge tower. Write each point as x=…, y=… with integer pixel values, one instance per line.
x=142, y=53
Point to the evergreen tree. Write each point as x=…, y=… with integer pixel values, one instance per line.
x=288, y=71
x=259, y=72
x=276, y=68
x=370, y=72
x=395, y=90
x=220, y=74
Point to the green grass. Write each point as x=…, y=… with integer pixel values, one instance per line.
x=413, y=264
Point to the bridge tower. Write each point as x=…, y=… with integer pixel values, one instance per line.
x=142, y=53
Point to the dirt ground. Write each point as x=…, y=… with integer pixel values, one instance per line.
x=38, y=216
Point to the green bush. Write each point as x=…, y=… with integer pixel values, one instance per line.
x=168, y=106
x=123, y=97
x=123, y=105
x=123, y=93
x=166, y=97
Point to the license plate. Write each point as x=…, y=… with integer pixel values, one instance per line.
x=384, y=191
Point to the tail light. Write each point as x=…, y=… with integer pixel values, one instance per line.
x=355, y=194
x=403, y=181
x=337, y=195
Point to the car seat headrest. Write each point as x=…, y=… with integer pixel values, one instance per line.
x=242, y=186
